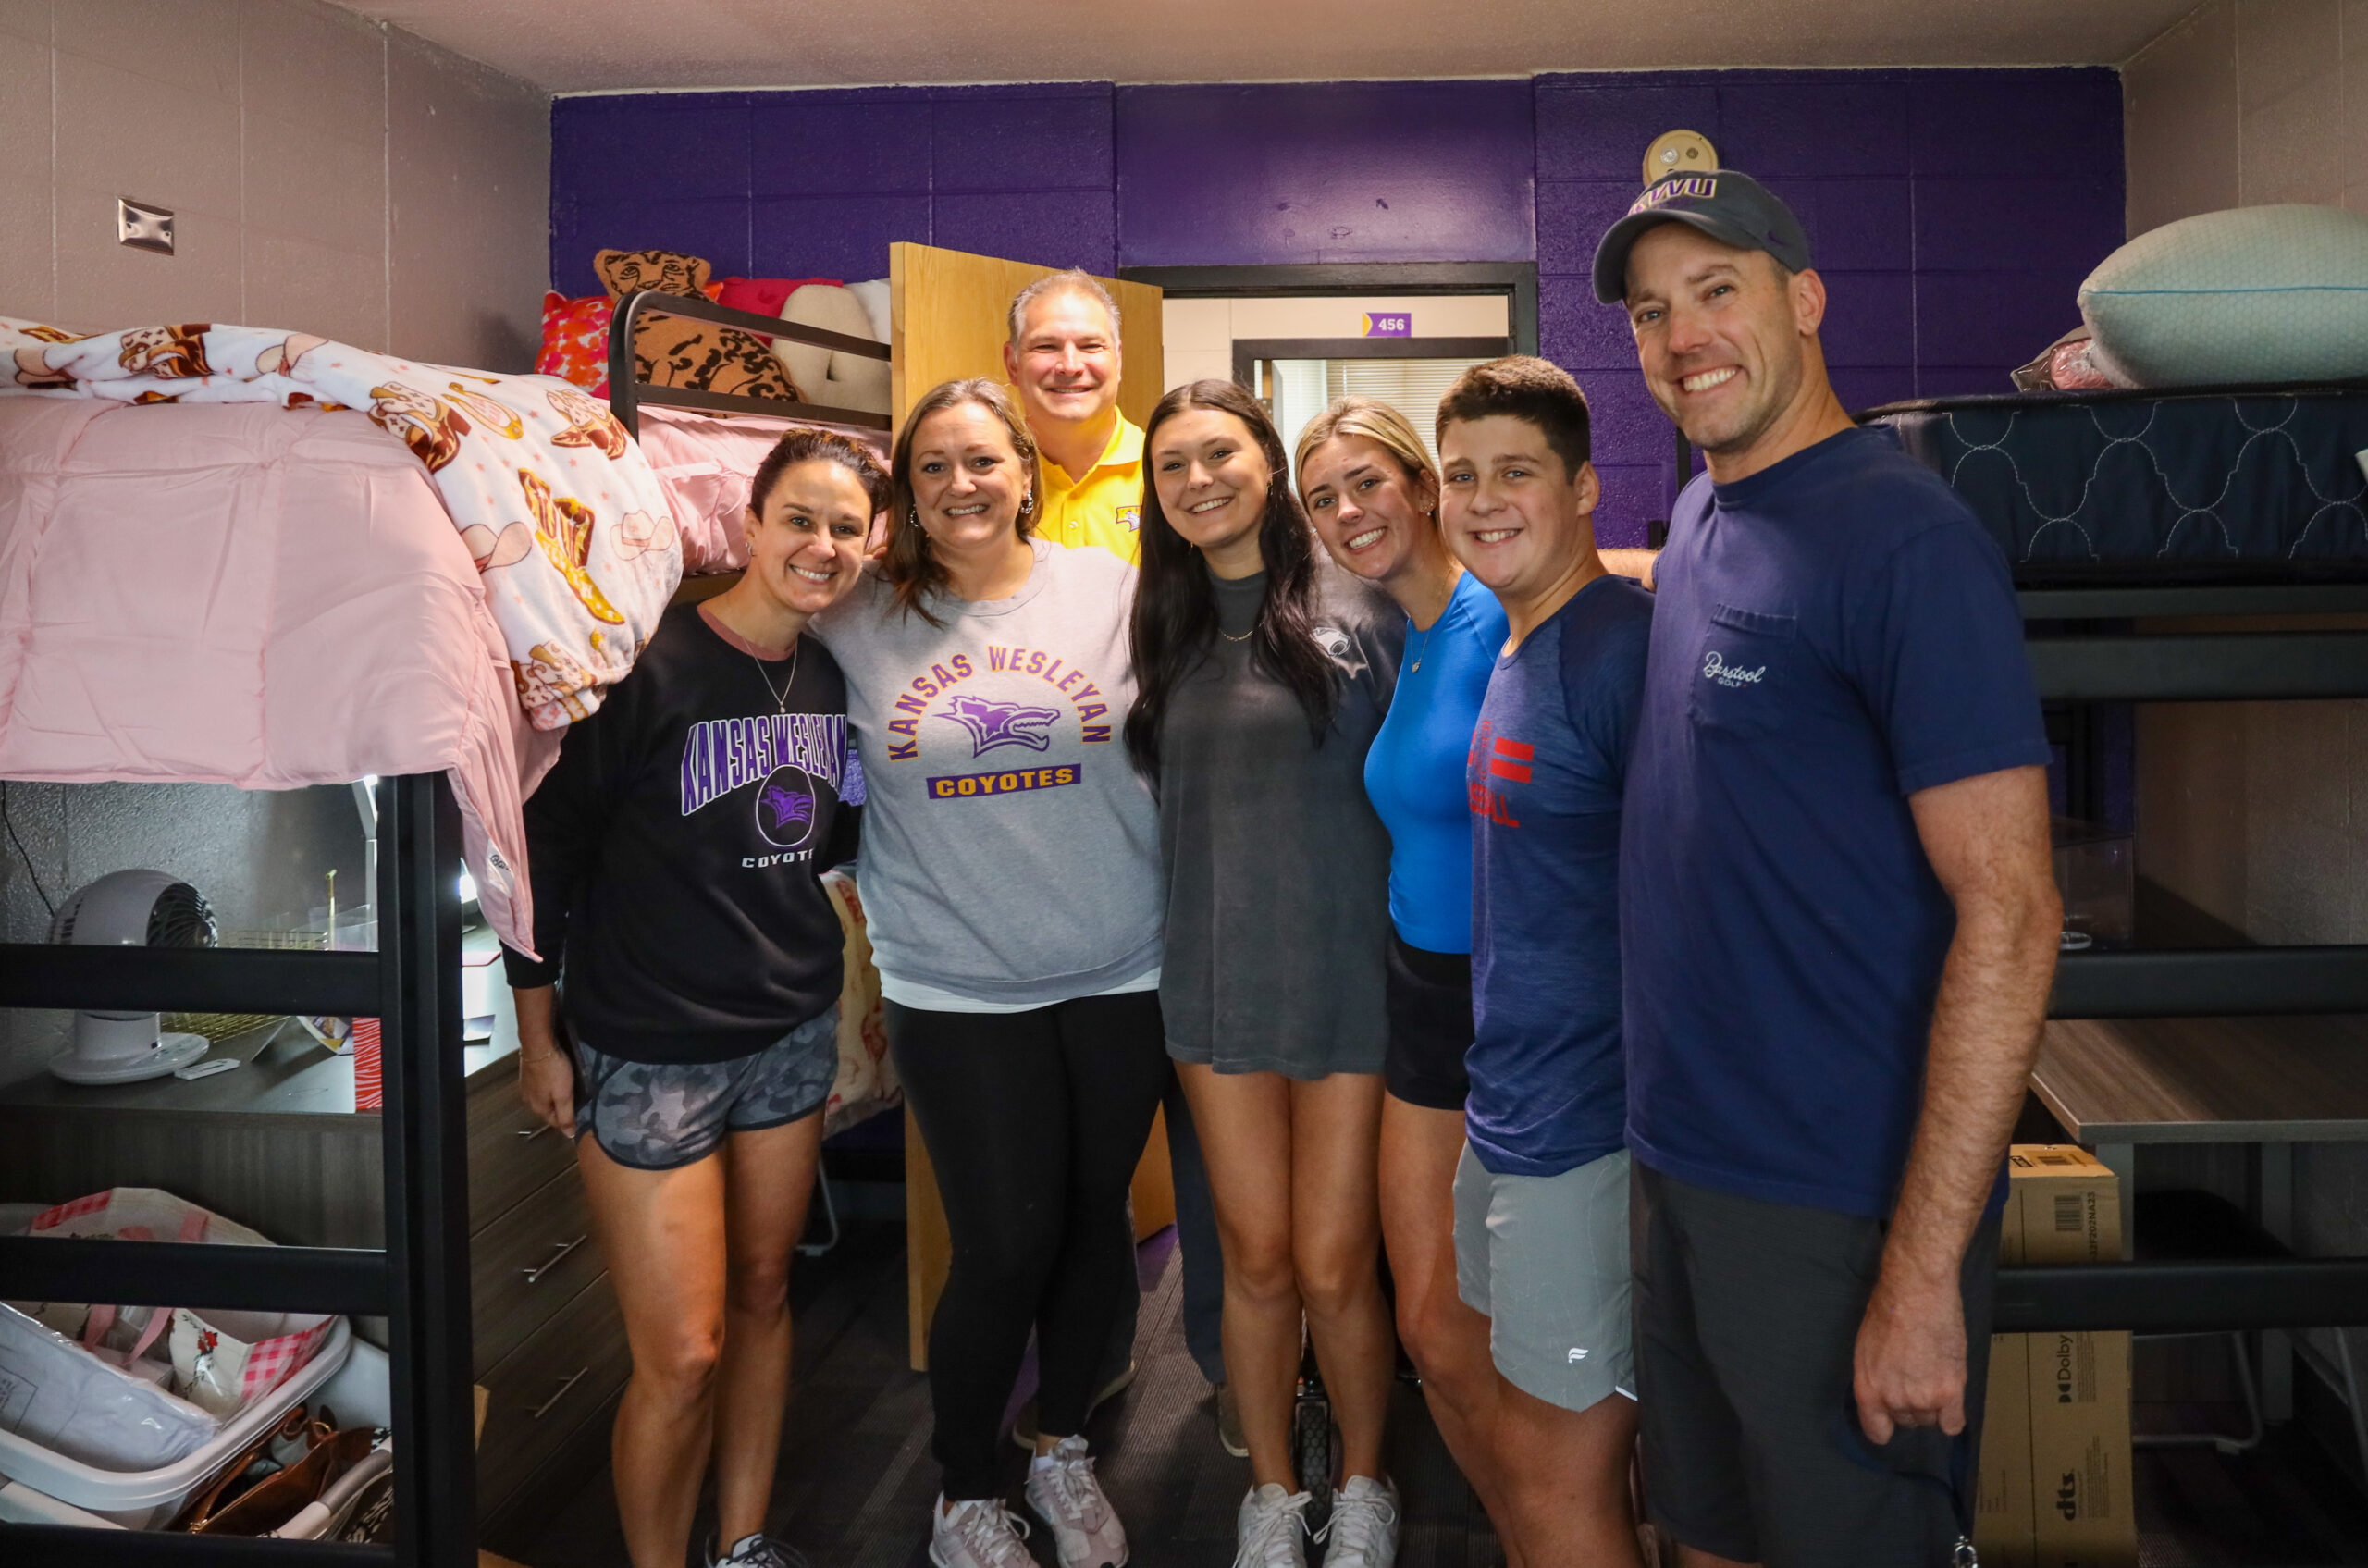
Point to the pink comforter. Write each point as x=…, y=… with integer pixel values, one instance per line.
x=247, y=595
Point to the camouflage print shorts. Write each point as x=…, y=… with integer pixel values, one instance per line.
x=659, y=1116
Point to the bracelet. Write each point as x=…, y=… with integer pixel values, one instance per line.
x=537, y=1056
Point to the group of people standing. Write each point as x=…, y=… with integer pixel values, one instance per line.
x=1650, y=974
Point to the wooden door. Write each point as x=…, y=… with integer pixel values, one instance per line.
x=951, y=312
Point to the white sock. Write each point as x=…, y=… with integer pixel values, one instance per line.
x=1041, y=1461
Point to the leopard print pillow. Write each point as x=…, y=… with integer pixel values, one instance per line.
x=672, y=351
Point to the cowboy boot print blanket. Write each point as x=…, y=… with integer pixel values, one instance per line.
x=560, y=511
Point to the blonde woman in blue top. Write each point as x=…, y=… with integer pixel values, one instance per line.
x=1372, y=493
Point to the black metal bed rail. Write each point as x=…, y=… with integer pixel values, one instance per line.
x=2187, y=1297
x=626, y=394
x=189, y=980
x=420, y=1282
x=2211, y=982
x=341, y=1279
x=42, y=1546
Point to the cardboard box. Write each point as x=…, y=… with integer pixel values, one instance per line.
x=2003, y=1521
x=2055, y=1482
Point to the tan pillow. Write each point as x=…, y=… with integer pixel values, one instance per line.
x=829, y=377
x=673, y=350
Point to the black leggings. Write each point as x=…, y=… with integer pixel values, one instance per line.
x=1035, y=1122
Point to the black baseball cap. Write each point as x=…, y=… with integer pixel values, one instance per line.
x=1730, y=207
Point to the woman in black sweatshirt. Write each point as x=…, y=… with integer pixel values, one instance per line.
x=676, y=850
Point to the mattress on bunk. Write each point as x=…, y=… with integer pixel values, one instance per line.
x=704, y=464
x=2234, y=484
x=241, y=593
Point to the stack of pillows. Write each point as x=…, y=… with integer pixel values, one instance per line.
x=2249, y=296
x=678, y=351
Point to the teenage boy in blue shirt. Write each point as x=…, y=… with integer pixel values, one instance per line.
x=1541, y=1192
x=1839, y=931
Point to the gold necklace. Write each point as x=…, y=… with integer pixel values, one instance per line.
x=1243, y=637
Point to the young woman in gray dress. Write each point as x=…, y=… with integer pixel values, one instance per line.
x=1263, y=671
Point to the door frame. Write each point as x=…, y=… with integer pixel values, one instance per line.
x=1516, y=280
x=1246, y=352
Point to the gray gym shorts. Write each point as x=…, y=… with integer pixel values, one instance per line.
x=1546, y=1257
x=654, y=1115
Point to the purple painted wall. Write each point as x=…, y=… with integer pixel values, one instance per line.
x=817, y=184
x=1350, y=171
x=1953, y=212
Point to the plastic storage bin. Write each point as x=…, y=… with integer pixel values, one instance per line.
x=145, y=1500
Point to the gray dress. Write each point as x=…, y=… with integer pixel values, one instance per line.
x=1278, y=868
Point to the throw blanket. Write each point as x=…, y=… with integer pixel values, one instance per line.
x=560, y=509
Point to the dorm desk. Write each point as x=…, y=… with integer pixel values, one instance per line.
x=2273, y=1082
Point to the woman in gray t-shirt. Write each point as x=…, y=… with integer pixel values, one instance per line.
x=1263, y=671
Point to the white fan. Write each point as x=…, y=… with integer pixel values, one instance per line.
x=129, y=910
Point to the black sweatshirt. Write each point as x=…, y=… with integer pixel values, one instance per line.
x=676, y=850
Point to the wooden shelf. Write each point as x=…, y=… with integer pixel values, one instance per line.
x=2207, y=1080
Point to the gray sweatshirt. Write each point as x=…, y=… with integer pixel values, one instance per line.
x=1010, y=852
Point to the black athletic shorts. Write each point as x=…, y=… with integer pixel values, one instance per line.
x=1746, y=1326
x=1429, y=998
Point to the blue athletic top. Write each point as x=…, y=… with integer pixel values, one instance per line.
x=1414, y=768
x=1546, y=770
x=1833, y=634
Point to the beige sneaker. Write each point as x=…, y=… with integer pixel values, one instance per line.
x=1229, y=1436
x=1064, y=1494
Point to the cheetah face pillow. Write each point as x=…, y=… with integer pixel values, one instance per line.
x=672, y=351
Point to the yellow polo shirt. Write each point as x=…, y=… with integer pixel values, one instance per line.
x=1103, y=508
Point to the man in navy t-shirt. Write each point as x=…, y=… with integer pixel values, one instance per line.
x=1839, y=926
x=1541, y=1191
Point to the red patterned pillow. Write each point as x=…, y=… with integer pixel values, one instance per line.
x=765, y=296
x=576, y=340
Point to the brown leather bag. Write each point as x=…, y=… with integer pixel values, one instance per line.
x=278, y=1498
x=203, y=1504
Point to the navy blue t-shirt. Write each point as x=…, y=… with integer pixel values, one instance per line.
x=1834, y=634
x=1545, y=775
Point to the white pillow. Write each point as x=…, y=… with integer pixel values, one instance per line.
x=2276, y=293
x=825, y=376
x=874, y=296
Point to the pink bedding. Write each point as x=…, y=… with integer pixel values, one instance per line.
x=704, y=464
x=328, y=621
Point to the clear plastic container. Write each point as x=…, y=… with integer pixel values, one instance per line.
x=2096, y=874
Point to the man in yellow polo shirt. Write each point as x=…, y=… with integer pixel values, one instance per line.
x=1063, y=357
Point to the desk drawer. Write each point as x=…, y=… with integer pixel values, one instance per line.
x=528, y=1263
x=511, y=1152
x=540, y=1395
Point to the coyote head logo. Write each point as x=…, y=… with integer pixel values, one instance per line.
x=786, y=807
x=994, y=723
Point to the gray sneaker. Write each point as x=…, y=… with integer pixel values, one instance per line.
x=1363, y=1530
x=757, y=1552
x=1272, y=1529
x=981, y=1533
x=1066, y=1496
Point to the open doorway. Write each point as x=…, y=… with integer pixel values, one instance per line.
x=1298, y=337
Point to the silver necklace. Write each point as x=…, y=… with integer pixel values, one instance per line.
x=780, y=697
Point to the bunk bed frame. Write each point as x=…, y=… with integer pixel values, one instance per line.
x=626, y=394
x=2081, y=651
x=419, y=1282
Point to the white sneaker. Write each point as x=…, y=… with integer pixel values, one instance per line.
x=1272, y=1529
x=758, y=1550
x=981, y=1533
x=1066, y=1496
x=1362, y=1531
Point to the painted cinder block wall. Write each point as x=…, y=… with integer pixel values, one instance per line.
x=1954, y=212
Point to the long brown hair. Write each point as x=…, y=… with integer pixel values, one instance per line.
x=911, y=568
x=1175, y=618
